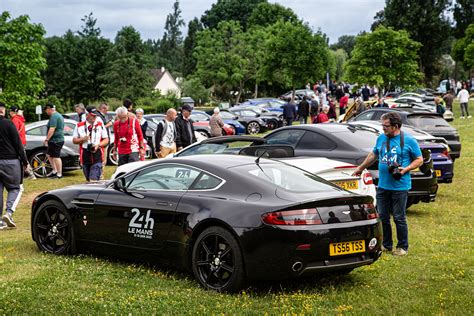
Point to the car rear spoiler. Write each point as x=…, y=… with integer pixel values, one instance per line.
x=268, y=151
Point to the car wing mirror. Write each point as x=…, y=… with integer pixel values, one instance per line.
x=119, y=184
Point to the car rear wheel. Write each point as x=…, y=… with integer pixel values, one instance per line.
x=253, y=128
x=272, y=124
x=52, y=229
x=217, y=260
x=40, y=164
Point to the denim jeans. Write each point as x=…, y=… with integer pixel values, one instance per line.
x=395, y=202
x=464, y=109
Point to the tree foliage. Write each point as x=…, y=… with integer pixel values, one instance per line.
x=266, y=14
x=196, y=90
x=228, y=10
x=21, y=60
x=426, y=22
x=345, y=42
x=463, y=48
x=337, y=62
x=463, y=15
x=170, y=48
x=128, y=69
x=189, y=61
x=385, y=58
x=294, y=62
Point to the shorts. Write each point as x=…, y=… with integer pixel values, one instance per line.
x=92, y=172
x=54, y=149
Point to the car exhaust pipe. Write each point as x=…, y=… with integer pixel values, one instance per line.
x=297, y=266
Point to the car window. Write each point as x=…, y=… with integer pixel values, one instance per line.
x=168, y=177
x=227, y=115
x=285, y=137
x=364, y=116
x=37, y=131
x=276, y=104
x=312, y=140
x=378, y=115
x=206, y=182
x=248, y=113
x=357, y=138
x=69, y=128
x=199, y=117
x=427, y=121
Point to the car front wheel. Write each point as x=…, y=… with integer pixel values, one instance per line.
x=52, y=229
x=253, y=128
x=40, y=164
x=217, y=260
x=111, y=158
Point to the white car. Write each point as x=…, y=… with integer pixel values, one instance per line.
x=337, y=172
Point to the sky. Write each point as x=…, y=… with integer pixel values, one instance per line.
x=334, y=17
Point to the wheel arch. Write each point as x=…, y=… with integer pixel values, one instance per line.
x=199, y=229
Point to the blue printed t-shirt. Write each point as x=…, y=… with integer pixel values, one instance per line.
x=56, y=120
x=411, y=150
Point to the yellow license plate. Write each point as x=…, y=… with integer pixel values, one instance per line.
x=345, y=248
x=348, y=185
x=438, y=173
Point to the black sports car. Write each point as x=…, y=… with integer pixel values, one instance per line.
x=228, y=219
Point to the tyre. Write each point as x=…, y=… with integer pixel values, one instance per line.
x=52, y=229
x=204, y=133
x=217, y=260
x=40, y=164
x=111, y=160
x=272, y=124
x=253, y=127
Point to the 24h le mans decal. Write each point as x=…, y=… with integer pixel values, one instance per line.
x=141, y=225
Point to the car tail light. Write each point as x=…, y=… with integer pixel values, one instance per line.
x=371, y=211
x=445, y=152
x=307, y=216
x=367, y=178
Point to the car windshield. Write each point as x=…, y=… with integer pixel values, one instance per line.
x=285, y=177
x=427, y=121
x=230, y=148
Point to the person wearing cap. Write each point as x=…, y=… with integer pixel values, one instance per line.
x=54, y=140
x=184, y=128
x=91, y=136
x=12, y=161
x=16, y=115
x=128, y=141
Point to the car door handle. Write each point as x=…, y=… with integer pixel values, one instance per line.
x=162, y=203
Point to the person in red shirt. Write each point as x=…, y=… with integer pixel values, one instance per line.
x=19, y=121
x=128, y=142
x=323, y=116
x=343, y=104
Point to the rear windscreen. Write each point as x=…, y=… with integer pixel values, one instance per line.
x=427, y=122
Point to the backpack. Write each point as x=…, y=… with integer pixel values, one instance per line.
x=440, y=109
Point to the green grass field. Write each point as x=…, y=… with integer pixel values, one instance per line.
x=435, y=278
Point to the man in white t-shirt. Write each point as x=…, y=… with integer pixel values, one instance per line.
x=463, y=97
x=165, y=135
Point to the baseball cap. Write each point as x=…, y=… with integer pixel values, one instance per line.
x=91, y=110
x=2, y=105
x=14, y=108
x=186, y=107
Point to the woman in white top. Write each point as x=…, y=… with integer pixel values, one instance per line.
x=463, y=97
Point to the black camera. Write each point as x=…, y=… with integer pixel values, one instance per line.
x=394, y=171
x=89, y=147
x=123, y=139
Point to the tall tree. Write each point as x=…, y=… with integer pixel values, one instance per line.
x=128, y=69
x=265, y=14
x=463, y=49
x=345, y=42
x=337, y=63
x=227, y=10
x=21, y=60
x=463, y=15
x=426, y=22
x=170, y=51
x=294, y=55
x=189, y=61
x=385, y=58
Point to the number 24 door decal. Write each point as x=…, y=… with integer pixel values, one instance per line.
x=141, y=225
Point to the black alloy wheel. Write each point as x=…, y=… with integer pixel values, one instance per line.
x=253, y=127
x=217, y=260
x=40, y=164
x=52, y=229
x=272, y=124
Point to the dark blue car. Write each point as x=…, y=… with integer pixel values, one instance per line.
x=203, y=116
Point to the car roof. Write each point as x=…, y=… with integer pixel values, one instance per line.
x=44, y=122
x=329, y=128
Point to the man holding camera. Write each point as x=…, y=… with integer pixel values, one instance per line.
x=91, y=136
x=397, y=153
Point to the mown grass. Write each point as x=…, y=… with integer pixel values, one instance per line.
x=435, y=278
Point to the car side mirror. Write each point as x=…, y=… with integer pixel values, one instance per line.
x=119, y=184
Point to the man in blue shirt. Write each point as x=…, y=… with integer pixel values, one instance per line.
x=397, y=153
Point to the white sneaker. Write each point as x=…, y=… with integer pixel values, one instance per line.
x=7, y=219
x=469, y=116
x=400, y=252
x=462, y=117
x=2, y=225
